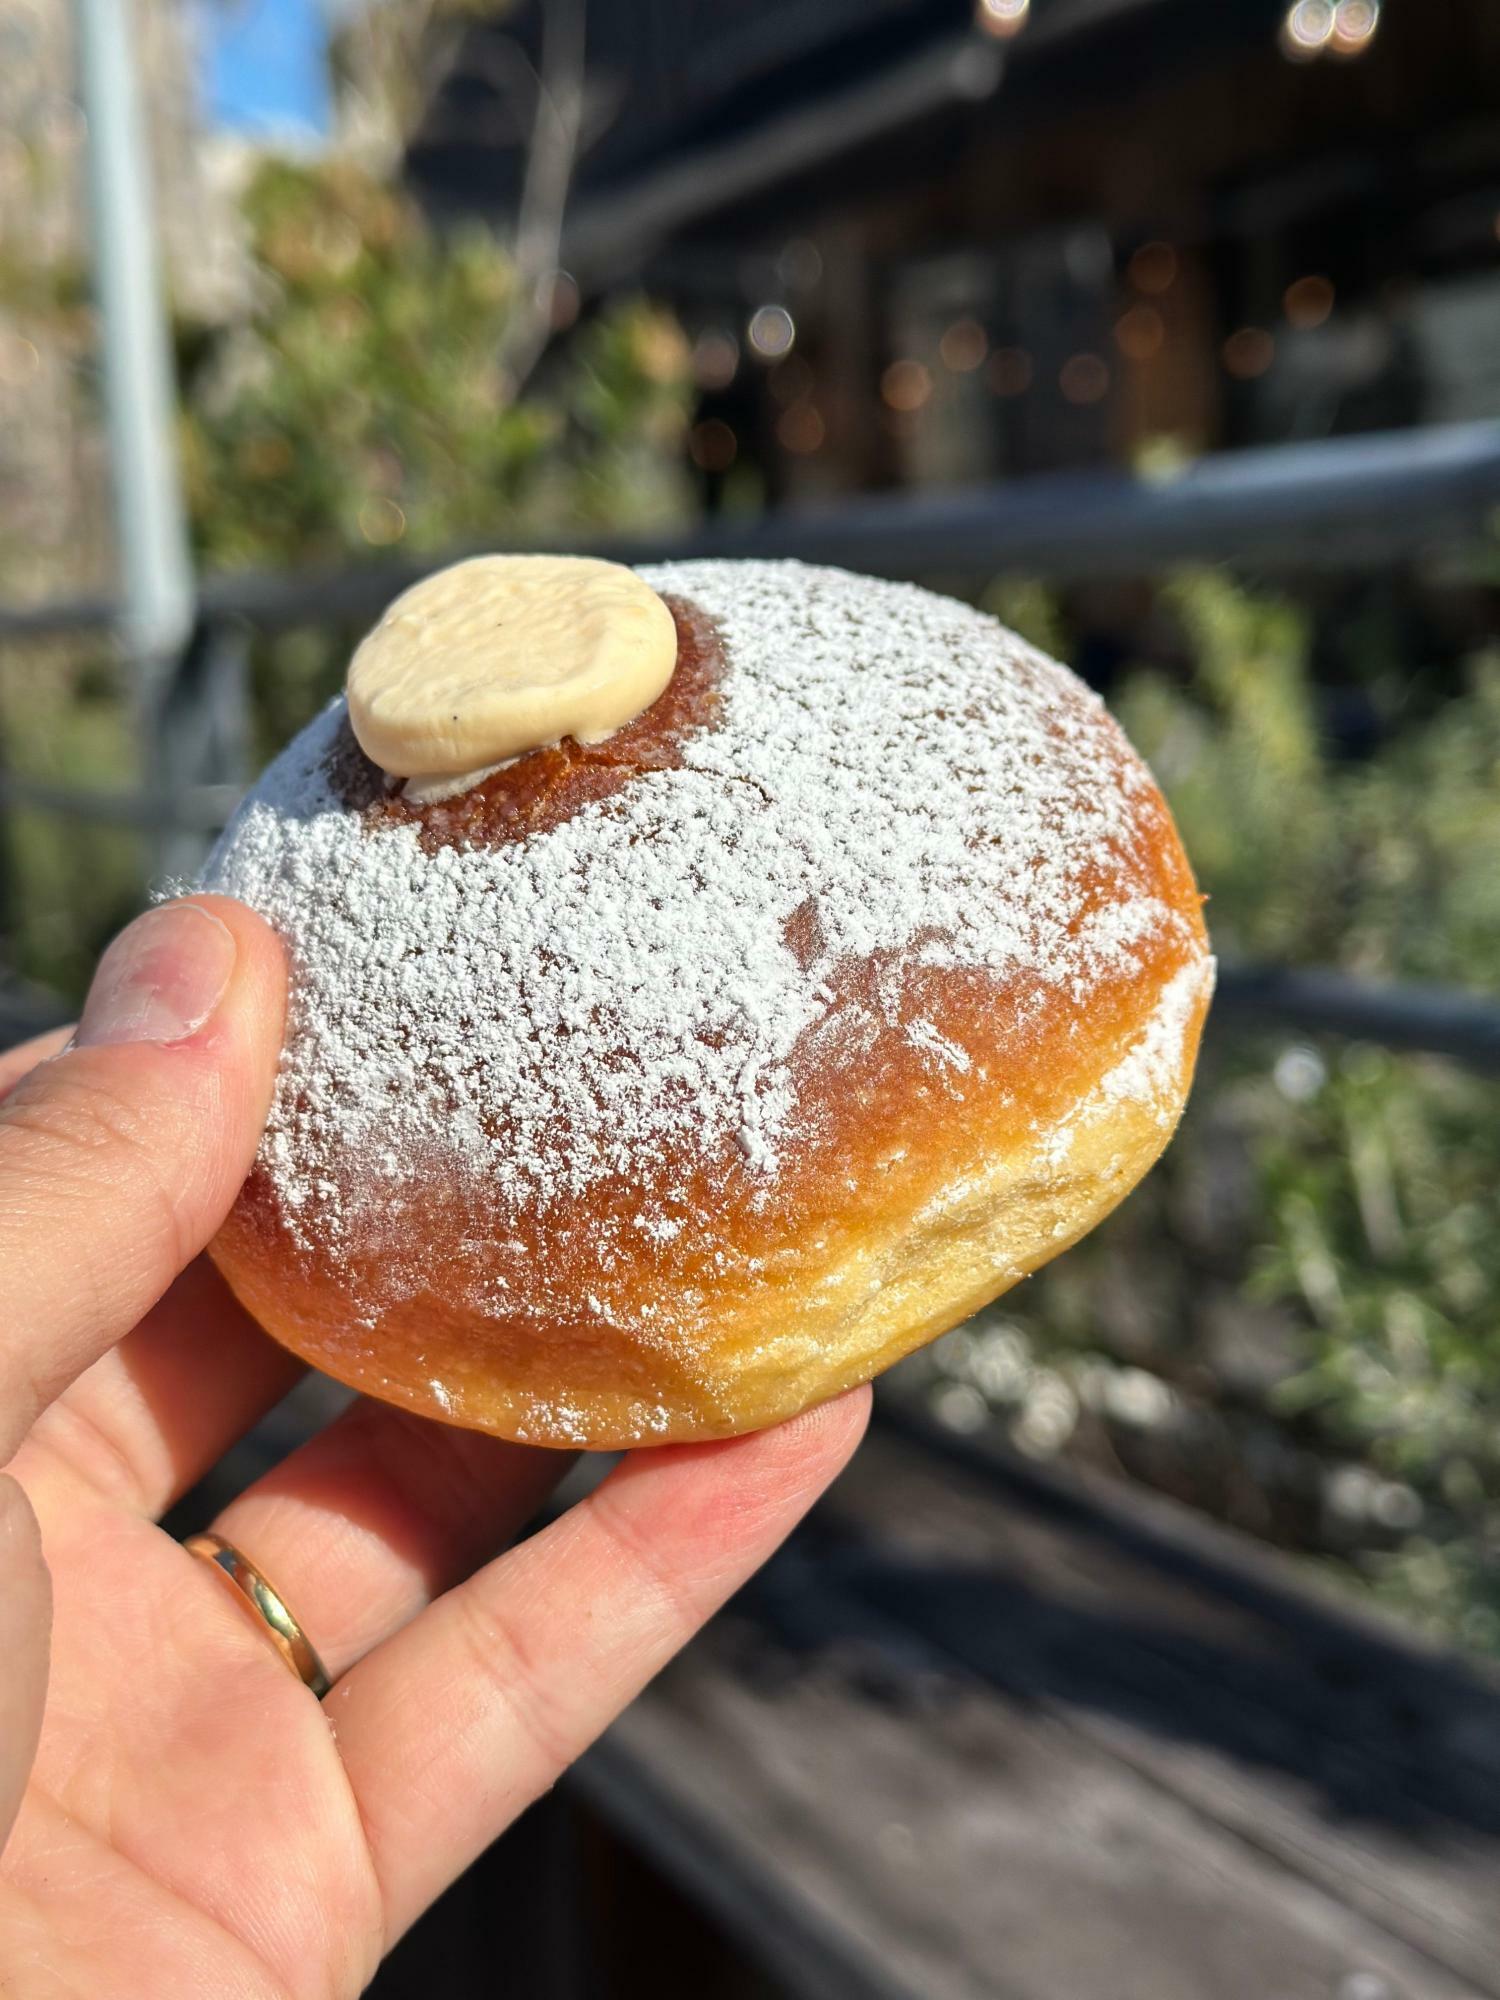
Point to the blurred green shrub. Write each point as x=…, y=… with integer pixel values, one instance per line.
x=1388, y=865
x=359, y=404
x=66, y=882
x=362, y=401
x=362, y=405
x=1295, y=1322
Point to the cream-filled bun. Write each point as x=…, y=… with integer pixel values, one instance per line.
x=655, y=1087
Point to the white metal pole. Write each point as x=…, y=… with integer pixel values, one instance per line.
x=155, y=556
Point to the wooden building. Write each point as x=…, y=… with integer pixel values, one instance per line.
x=933, y=241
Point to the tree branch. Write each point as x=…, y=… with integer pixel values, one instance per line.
x=550, y=161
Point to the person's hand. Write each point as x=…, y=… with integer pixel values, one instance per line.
x=188, y=1820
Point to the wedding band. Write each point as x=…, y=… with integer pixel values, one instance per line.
x=255, y=1590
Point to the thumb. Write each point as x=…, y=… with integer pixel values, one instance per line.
x=120, y=1157
x=25, y=1623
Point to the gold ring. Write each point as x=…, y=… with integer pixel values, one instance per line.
x=254, y=1590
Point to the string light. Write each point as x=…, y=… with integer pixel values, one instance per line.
x=1001, y=18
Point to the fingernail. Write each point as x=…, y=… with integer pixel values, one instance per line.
x=160, y=980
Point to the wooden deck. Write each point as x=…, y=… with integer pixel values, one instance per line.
x=986, y=1730
x=990, y=1729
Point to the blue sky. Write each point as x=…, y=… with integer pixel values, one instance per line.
x=263, y=67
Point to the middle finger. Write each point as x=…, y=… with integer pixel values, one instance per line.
x=369, y=1521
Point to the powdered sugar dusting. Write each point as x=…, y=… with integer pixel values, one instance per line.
x=1149, y=1072
x=923, y=1035
x=549, y=1013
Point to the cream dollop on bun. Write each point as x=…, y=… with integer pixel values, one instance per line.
x=504, y=654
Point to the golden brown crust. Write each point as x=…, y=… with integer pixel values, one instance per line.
x=910, y=1193
x=872, y=1250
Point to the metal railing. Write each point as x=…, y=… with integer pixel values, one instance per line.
x=1339, y=503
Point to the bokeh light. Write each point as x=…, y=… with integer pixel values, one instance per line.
x=801, y=429
x=1307, y=29
x=1354, y=25
x=1308, y=301
x=1001, y=17
x=771, y=332
x=715, y=358
x=1139, y=333
x=1248, y=353
x=1300, y=1073
x=1328, y=27
x=381, y=522
x=964, y=346
x=905, y=385
x=712, y=445
x=1153, y=268
x=800, y=264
